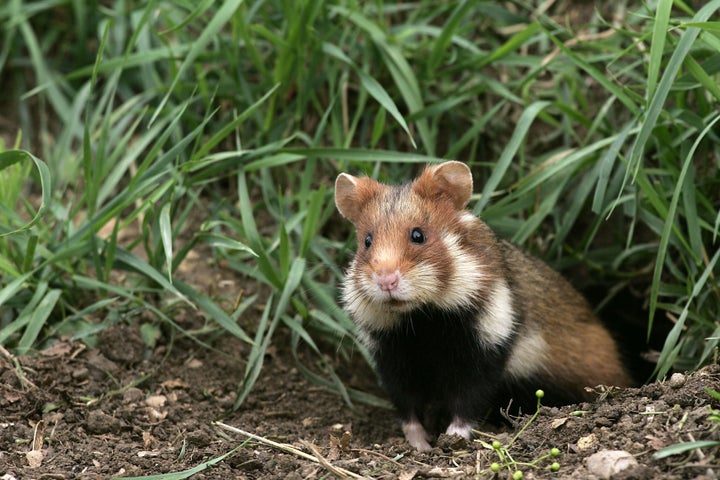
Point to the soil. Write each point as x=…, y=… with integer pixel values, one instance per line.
x=78, y=412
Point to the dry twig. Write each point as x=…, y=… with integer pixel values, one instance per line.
x=317, y=458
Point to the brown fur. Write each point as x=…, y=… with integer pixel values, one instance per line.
x=548, y=300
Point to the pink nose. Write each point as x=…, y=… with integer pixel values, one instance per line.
x=388, y=281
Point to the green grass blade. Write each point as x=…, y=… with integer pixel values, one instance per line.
x=349, y=395
x=672, y=341
x=36, y=321
x=699, y=73
x=131, y=60
x=166, y=235
x=26, y=313
x=249, y=228
x=515, y=42
x=670, y=222
x=222, y=134
x=221, y=241
x=312, y=220
x=213, y=310
x=11, y=157
x=665, y=85
x=30, y=251
x=362, y=155
x=373, y=87
x=684, y=447
x=503, y=163
x=401, y=71
x=45, y=76
x=256, y=357
x=606, y=167
x=262, y=339
x=657, y=44
x=185, y=473
x=376, y=90
x=271, y=161
x=596, y=74
x=692, y=217
x=284, y=252
x=291, y=284
x=443, y=41
x=132, y=262
x=217, y=22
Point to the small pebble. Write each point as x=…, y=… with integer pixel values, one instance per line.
x=80, y=374
x=133, y=395
x=677, y=380
x=99, y=422
x=608, y=463
x=587, y=442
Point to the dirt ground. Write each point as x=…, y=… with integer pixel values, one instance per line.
x=120, y=410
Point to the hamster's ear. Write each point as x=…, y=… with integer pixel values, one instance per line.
x=352, y=194
x=452, y=180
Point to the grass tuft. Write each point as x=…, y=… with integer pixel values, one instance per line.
x=149, y=130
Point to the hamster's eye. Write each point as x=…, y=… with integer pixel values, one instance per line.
x=368, y=241
x=417, y=236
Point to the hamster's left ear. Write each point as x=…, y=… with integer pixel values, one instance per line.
x=352, y=194
x=450, y=179
x=345, y=186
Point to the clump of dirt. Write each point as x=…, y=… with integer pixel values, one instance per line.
x=75, y=412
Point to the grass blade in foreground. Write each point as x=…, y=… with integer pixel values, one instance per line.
x=186, y=473
x=11, y=157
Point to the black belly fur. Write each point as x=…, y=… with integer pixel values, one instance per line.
x=434, y=367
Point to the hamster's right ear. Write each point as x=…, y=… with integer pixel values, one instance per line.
x=347, y=190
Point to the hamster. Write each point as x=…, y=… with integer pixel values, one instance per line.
x=459, y=323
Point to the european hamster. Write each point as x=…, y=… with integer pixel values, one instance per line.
x=458, y=322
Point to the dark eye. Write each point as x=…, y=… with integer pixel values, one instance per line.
x=368, y=241
x=417, y=236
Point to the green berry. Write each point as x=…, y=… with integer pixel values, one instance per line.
x=495, y=467
x=539, y=394
x=496, y=445
x=517, y=475
x=555, y=467
x=555, y=452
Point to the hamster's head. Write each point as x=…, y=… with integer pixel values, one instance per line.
x=416, y=244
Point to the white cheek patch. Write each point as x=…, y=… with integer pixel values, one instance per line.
x=496, y=323
x=468, y=218
x=421, y=283
x=528, y=355
x=467, y=279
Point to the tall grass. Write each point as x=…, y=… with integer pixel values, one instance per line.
x=593, y=141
